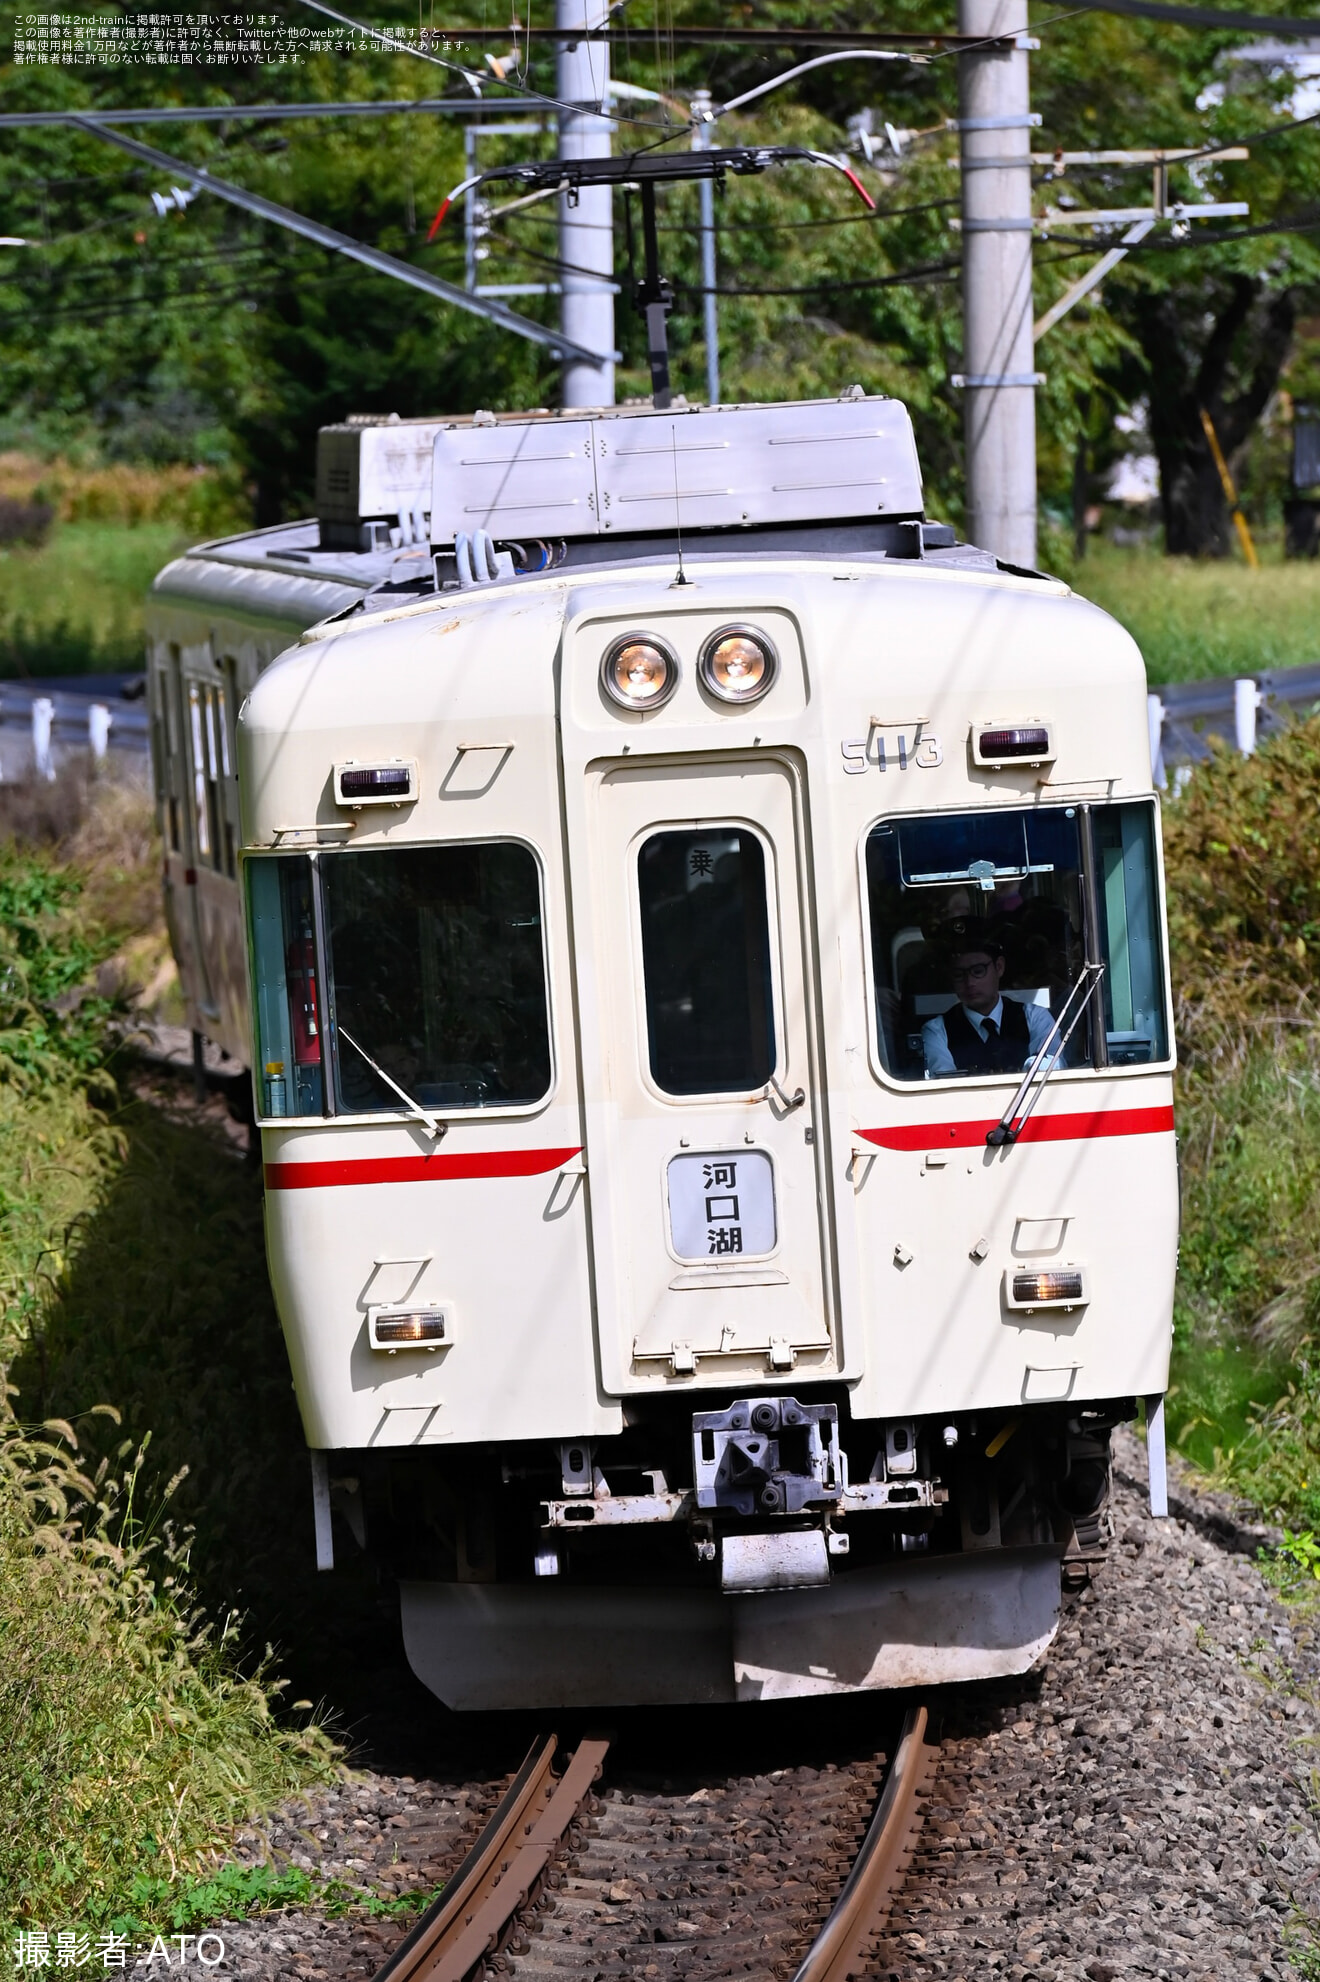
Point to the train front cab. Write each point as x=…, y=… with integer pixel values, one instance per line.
x=842, y=1402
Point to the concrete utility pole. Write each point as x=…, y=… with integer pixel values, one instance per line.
x=701, y=136
x=999, y=382
x=586, y=231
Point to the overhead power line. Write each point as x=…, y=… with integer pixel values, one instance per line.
x=476, y=81
x=235, y=113
x=723, y=37
x=328, y=237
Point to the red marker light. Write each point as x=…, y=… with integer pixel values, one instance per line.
x=1014, y=742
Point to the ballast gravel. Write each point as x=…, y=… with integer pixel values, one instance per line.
x=1145, y=1807
x=1140, y=1806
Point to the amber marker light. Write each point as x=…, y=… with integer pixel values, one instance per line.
x=639, y=671
x=409, y=1328
x=1048, y=1287
x=737, y=664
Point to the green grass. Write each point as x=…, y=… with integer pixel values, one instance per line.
x=1194, y=618
x=1250, y=1154
x=135, y=1731
x=74, y=605
x=237, y=1890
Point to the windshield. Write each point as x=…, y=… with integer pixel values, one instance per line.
x=437, y=971
x=978, y=935
x=434, y=971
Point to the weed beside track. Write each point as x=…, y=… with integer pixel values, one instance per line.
x=135, y=1732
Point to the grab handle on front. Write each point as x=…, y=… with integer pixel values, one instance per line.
x=788, y=1102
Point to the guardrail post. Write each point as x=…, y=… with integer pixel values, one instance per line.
x=1156, y=1459
x=1246, y=701
x=98, y=729
x=43, y=715
x=1155, y=713
x=325, y=1540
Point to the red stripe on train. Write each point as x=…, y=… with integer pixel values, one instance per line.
x=432, y=1169
x=1041, y=1128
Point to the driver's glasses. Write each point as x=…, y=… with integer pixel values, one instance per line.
x=971, y=973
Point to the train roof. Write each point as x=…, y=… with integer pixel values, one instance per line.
x=498, y=499
x=285, y=572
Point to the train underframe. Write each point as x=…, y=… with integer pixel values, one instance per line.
x=765, y=1546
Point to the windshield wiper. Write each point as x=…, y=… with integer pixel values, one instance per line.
x=434, y=1125
x=1008, y=1128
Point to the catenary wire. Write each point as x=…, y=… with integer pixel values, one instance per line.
x=928, y=272
x=777, y=226
x=470, y=76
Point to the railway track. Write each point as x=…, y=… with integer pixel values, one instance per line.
x=539, y=1897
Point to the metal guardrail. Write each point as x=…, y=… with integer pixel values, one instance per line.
x=43, y=722
x=1184, y=715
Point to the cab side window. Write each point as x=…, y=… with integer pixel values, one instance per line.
x=1136, y=1025
x=981, y=925
x=290, y=1003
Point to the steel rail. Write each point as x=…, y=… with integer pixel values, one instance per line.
x=502, y=1870
x=839, y=1951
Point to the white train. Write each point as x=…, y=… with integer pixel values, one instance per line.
x=712, y=1051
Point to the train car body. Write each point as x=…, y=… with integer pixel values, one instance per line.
x=714, y=1067
x=215, y=619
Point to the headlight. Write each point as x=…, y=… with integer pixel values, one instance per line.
x=639, y=671
x=737, y=664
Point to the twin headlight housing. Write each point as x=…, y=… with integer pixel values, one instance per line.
x=737, y=665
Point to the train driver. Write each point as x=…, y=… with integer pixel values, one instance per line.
x=984, y=1033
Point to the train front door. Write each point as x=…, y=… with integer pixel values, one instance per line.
x=697, y=1020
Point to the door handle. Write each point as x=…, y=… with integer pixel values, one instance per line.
x=788, y=1102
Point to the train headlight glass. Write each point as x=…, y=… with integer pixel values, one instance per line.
x=737, y=664
x=639, y=671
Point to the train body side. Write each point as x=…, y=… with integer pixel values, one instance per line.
x=215, y=620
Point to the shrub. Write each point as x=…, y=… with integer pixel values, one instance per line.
x=1243, y=859
x=24, y=522
x=199, y=500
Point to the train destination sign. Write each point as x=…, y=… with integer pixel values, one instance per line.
x=722, y=1205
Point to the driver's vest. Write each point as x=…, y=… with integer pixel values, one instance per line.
x=1003, y=1054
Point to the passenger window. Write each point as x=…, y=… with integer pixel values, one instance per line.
x=168, y=743
x=227, y=791
x=211, y=775
x=289, y=1002
x=204, y=838
x=978, y=936
x=1135, y=1025
x=706, y=961
x=437, y=969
